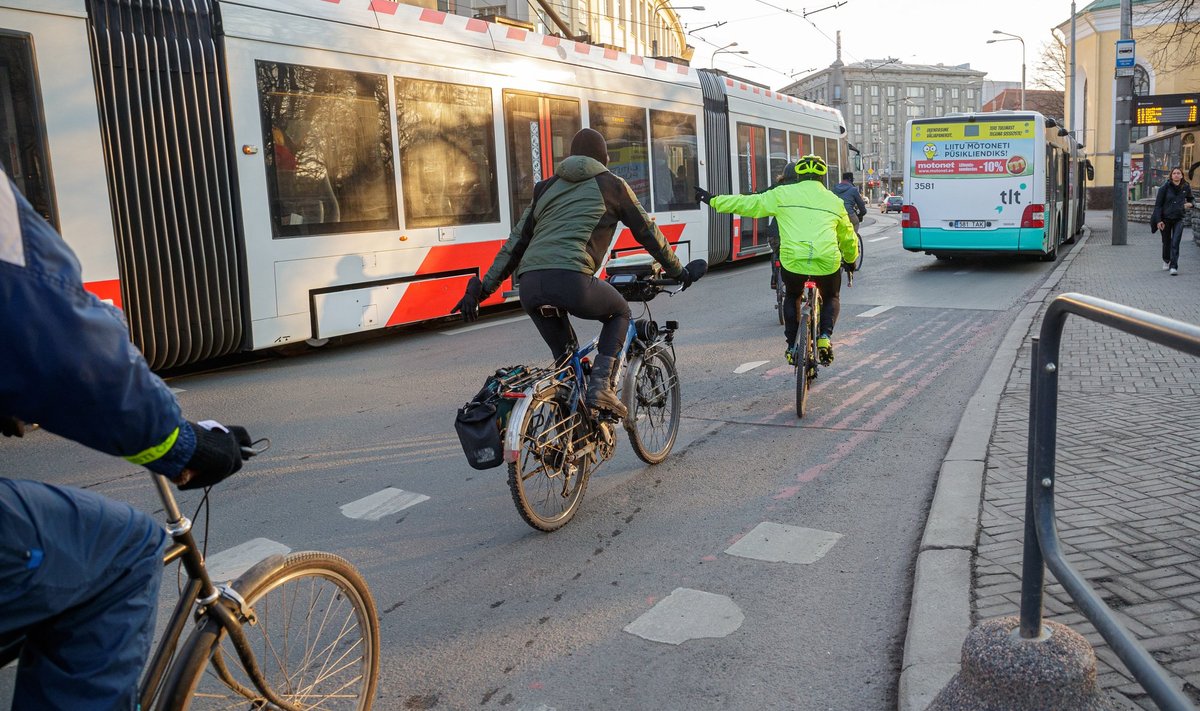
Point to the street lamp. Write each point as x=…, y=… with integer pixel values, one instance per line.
x=725, y=49
x=1009, y=37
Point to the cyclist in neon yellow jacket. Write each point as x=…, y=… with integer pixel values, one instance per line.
x=816, y=241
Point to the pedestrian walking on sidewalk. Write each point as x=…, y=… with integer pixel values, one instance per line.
x=1173, y=198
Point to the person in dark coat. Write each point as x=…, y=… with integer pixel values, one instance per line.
x=1174, y=197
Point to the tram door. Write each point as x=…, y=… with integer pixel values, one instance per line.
x=538, y=131
x=753, y=176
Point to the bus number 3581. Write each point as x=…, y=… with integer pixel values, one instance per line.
x=918, y=185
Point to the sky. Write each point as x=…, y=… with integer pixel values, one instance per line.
x=952, y=32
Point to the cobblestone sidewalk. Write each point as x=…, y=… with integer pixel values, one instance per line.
x=1128, y=484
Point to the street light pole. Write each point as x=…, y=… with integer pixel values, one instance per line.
x=1121, y=160
x=1020, y=39
x=713, y=60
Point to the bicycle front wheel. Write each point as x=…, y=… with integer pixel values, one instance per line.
x=859, y=262
x=651, y=393
x=804, y=357
x=315, y=639
x=547, y=480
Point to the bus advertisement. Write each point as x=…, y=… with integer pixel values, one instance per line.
x=984, y=183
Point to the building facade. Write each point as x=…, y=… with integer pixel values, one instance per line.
x=1091, y=109
x=646, y=27
x=877, y=97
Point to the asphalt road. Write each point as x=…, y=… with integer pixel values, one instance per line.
x=480, y=611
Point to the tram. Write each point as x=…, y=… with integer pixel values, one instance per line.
x=992, y=183
x=238, y=175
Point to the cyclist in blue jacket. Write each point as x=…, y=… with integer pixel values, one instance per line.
x=79, y=573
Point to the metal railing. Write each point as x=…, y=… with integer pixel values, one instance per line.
x=1042, y=546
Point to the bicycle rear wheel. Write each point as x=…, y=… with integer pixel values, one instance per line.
x=804, y=356
x=315, y=639
x=546, y=480
x=651, y=393
x=780, y=293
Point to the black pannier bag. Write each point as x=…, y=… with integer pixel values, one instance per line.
x=481, y=422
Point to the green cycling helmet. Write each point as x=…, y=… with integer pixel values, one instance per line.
x=811, y=165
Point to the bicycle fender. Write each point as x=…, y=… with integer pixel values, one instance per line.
x=512, y=434
x=258, y=572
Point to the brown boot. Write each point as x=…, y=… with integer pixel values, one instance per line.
x=600, y=393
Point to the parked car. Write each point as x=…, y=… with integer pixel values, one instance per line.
x=894, y=203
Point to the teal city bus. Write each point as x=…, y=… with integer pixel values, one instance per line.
x=1007, y=182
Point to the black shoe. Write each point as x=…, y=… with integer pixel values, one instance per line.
x=600, y=393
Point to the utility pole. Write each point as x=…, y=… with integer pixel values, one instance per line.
x=1121, y=159
x=1074, y=125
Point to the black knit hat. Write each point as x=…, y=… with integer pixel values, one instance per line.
x=588, y=142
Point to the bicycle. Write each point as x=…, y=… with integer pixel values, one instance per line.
x=554, y=442
x=218, y=665
x=805, y=361
x=781, y=289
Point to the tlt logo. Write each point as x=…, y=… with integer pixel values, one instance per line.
x=1010, y=197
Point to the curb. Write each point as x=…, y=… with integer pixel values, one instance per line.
x=939, y=616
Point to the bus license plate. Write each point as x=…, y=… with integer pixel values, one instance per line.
x=969, y=224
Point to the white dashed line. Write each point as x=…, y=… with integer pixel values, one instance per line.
x=688, y=614
x=489, y=324
x=382, y=503
x=747, y=367
x=880, y=239
x=178, y=390
x=777, y=543
x=964, y=271
x=229, y=564
x=876, y=311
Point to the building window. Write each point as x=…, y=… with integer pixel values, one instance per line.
x=858, y=110
x=858, y=130
x=447, y=153
x=970, y=94
x=328, y=150
x=916, y=92
x=954, y=92
x=891, y=92
x=914, y=111
x=874, y=110
x=673, y=148
x=624, y=127
x=891, y=110
x=937, y=93
x=874, y=91
x=858, y=89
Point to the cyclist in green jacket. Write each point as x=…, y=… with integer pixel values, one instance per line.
x=557, y=247
x=816, y=241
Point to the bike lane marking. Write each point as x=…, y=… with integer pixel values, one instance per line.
x=382, y=503
x=779, y=543
x=688, y=614
x=876, y=311
x=880, y=239
x=747, y=367
x=232, y=562
x=489, y=324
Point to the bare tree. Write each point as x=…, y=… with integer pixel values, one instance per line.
x=1175, y=41
x=1052, y=65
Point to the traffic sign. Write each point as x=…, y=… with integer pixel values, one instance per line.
x=1125, y=53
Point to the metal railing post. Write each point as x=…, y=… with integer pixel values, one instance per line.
x=1033, y=568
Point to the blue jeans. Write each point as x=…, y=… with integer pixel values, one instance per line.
x=79, y=576
x=1172, y=233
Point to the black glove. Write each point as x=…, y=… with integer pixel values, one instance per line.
x=11, y=427
x=469, y=303
x=703, y=195
x=218, y=454
x=849, y=267
x=692, y=272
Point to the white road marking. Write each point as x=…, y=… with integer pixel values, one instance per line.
x=688, y=614
x=747, y=367
x=777, y=543
x=229, y=564
x=382, y=503
x=178, y=390
x=961, y=272
x=489, y=324
x=880, y=239
x=876, y=311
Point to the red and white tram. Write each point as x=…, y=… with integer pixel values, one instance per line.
x=241, y=174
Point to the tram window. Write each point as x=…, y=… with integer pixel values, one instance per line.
x=22, y=141
x=328, y=150
x=778, y=142
x=532, y=156
x=447, y=153
x=673, y=148
x=624, y=128
x=801, y=144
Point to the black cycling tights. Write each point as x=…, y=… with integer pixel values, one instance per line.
x=830, y=287
x=582, y=296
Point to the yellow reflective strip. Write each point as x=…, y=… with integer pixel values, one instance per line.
x=156, y=451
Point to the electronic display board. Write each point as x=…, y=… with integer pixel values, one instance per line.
x=1165, y=110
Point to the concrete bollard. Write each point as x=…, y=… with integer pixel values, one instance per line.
x=1003, y=672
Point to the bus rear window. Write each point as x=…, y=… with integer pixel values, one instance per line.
x=23, y=151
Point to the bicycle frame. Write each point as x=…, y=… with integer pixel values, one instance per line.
x=201, y=591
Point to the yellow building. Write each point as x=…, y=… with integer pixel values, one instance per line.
x=1091, y=113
